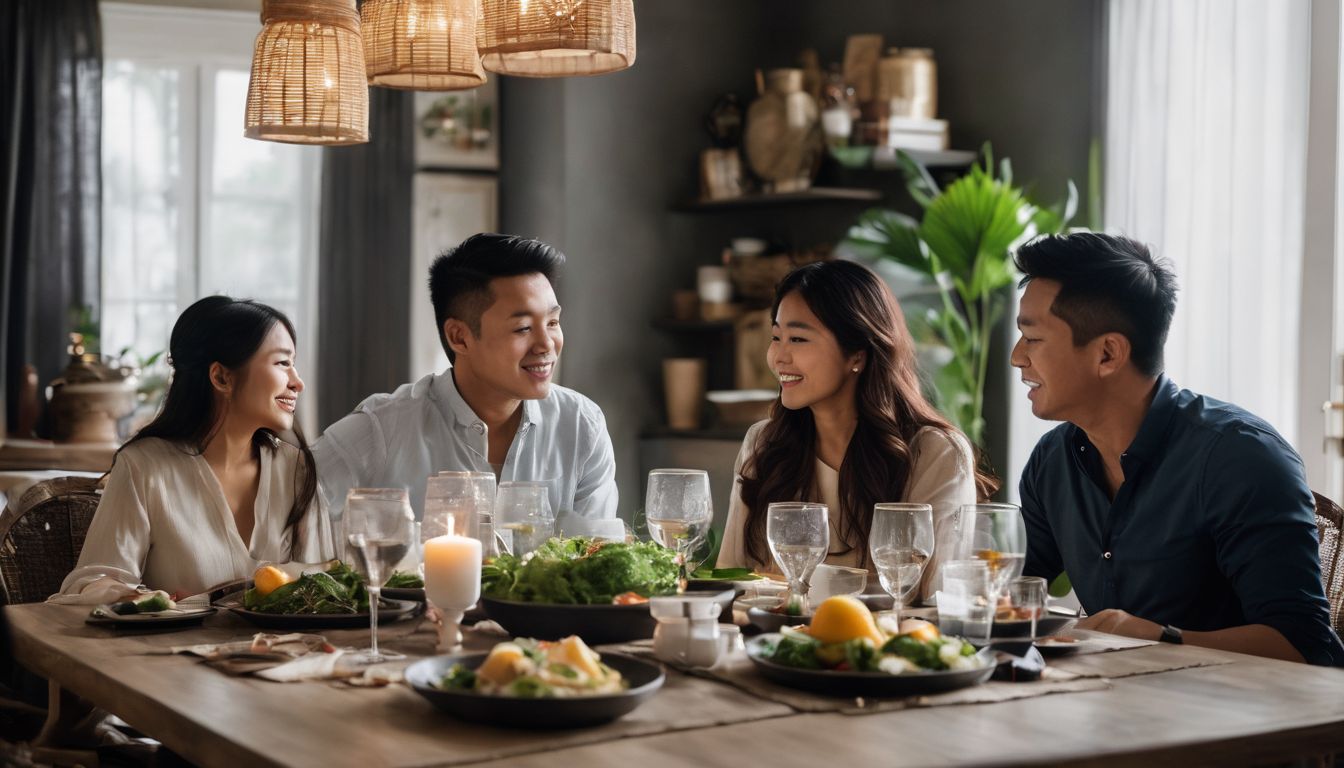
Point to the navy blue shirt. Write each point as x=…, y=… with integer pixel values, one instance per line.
x=1213, y=527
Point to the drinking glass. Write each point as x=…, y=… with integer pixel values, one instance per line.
x=965, y=603
x=999, y=537
x=679, y=512
x=798, y=534
x=1026, y=600
x=901, y=542
x=378, y=528
x=523, y=515
x=461, y=503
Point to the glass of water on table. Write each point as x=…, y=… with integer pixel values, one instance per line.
x=799, y=534
x=679, y=513
x=379, y=526
x=900, y=543
x=523, y=515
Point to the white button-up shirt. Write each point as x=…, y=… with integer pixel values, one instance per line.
x=399, y=440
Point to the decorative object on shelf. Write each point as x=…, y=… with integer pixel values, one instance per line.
x=458, y=130
x=90, y=397
x=907, y=80
x=838, y=109
x=308, y=81
x=964, y=246
x=751, y=340
x=783, y=139
x=741, y=407
x=755, y=278
x=556, y=38
x=713, y=285
x=684, y=390
x=861, y=55
x=724, y=121
x=423, y=45
x=720, y=174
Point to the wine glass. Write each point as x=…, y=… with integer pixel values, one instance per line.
x=901, y=542
x=999, y=537
x=378, y=528
x=460, y=503
x=679, y=512
x=798, y=534
x=523, y=508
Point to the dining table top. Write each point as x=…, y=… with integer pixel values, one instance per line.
x=1230, y=709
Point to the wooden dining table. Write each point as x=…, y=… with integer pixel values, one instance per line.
x=1236, y=710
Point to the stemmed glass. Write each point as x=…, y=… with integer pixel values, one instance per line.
x=999, y=537
x=523, y=509
x=679, y=512
x=378, y=527
x=901, y=542
x=798, y=534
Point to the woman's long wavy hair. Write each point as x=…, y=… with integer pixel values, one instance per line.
x=219, y=329
x=858, y=308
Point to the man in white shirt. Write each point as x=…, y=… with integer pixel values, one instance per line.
x=495, y=408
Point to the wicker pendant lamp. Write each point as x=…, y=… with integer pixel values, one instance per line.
x=308, y=84
x=424, y=45
x=556, y=38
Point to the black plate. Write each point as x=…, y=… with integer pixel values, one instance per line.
x=867, y=683
x=645, y=678
x=404, y=593
x=1045, y=626
x=769, y=621
x=156, y=620
x=596, y=624
x=392, y=610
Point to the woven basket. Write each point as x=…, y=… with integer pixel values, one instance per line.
x=308, y=82
x=424, y=45
x=755, y=277
x=556, y=38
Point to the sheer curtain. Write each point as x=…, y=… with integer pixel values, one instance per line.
x=1206, y=141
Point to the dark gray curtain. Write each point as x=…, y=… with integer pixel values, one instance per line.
x=364, y=282
x=51, y=70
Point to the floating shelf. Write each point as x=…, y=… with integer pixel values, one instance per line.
x=884, y=158
x=813, y=195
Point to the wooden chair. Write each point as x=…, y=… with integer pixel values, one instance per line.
x=41, y=536
x=1330, y=524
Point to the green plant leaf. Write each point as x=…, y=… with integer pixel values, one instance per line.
x=918, y=181
x=890, y=235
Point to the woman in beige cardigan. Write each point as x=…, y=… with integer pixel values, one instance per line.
x=851, y=427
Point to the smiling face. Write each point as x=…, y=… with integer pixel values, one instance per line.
x=266, y=389
x=520, y=339
x=811, y=367
x=1062, y=377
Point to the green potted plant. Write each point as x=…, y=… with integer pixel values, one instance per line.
x=963, y=244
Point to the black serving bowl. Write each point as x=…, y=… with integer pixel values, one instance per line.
x=596, y=624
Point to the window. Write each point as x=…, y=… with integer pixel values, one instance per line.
x=190, y=207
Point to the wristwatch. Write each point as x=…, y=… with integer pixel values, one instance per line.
x=1172, y=634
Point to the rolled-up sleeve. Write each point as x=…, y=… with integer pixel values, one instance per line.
x=1264, y=529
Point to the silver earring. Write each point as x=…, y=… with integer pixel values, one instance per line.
x=856, y=369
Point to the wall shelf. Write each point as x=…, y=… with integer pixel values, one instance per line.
x=813, y=195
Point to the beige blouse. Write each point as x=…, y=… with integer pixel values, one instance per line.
x=943, y=476
x=164, y=522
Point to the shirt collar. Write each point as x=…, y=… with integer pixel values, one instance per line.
x=1152, y=435
x=445, y=391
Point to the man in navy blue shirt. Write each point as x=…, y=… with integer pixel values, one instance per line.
x=1177, y=517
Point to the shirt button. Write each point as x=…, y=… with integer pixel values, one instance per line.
x=479, y=427
x=1106, y=554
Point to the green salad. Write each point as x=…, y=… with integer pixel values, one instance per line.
x=336, y=590
x=582, y=571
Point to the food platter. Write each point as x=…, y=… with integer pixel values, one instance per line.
x=170, y=619
x=391, y=610
x=837, y=683
x=644, y=677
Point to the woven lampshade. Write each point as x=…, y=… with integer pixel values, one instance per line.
x=424, y=45
x=556, y=38
x=308, y=84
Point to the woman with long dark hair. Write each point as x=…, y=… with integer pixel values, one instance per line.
x=208, y=489
x=851, y=427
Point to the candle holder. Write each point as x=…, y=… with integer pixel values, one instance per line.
x=452, y=583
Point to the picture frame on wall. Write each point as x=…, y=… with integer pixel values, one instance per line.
x=458, y=130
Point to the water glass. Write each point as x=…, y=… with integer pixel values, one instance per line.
x=799, y=534
x=998, y=535
x=966, y=601
x=901, y=543
x=523, y=516
x=378, y=527
x=679, y=513
x=460, y=503
x=1026, y=601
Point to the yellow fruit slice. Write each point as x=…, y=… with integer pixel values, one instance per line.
x=502, y=665
x=842, y=618
x=268, y=578
x=575, y=653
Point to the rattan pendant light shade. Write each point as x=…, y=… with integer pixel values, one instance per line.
x=308, y=83
x=556, y=38
x=424, y=45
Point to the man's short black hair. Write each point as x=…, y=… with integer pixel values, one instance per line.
x=1108, y=284
x=459, y=279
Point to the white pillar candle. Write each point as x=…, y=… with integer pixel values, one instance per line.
x=453, y=572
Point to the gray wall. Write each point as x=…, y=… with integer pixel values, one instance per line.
x=595, y=165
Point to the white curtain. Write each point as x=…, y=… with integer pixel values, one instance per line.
x=1206, y=141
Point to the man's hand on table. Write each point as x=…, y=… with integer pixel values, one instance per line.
x=1118, y=622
